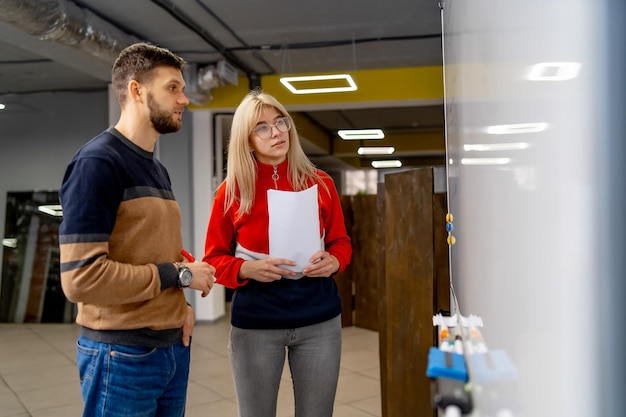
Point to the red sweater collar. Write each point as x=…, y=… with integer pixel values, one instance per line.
x=264, y=169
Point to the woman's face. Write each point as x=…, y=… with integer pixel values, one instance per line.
x=270, y=146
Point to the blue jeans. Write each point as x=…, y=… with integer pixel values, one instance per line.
x=119, y=380
x=257, y=358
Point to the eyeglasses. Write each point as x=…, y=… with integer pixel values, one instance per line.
x=264, y=131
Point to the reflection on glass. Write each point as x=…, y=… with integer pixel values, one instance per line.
x=30, y=290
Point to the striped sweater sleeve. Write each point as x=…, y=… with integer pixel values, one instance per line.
x=90, y=195
x=121, y=224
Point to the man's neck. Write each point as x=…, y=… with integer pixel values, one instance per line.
x=141, y=135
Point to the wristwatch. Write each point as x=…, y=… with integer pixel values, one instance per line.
x=184, y=275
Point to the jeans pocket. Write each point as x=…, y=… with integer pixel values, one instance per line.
x=132, y=352
x=86, y=359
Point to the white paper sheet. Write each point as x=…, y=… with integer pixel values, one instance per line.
x=294, y=226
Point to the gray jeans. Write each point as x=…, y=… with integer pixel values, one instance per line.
x=257, y=358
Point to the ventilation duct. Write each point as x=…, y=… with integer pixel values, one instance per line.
x=65, y=22
x=202, y=79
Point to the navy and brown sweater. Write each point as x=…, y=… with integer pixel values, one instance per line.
x=120, y=233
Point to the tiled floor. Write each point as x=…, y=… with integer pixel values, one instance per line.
x=38, y=375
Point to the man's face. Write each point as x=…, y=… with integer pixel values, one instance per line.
x=167, y=100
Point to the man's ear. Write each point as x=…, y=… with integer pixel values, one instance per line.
x=135, y=91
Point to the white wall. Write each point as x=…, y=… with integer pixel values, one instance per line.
x=39, y=133
x=529, y=255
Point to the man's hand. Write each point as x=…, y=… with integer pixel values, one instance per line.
x=190, y=322
x=203, y=276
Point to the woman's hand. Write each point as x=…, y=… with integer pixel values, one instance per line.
x=266, y=270
x=323, y=264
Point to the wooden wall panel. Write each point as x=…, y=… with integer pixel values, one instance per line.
x=344, y=280
x=381, y=252
x=365, y=241
x=442, y=269
x=409, y=288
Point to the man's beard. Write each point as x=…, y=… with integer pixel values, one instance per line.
x=161, y=119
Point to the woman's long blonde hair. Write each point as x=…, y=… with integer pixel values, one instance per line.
x=241, y=169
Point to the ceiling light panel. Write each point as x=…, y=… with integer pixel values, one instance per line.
x=316, y=84
x=376, y=150
x=361, y=134
x=387, y=164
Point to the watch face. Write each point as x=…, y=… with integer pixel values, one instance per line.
x=185, y=277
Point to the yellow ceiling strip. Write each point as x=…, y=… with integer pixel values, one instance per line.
x=393, y=85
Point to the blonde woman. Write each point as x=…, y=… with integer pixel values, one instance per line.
x=276, y=311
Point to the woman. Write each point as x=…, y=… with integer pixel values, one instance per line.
x=274, y=311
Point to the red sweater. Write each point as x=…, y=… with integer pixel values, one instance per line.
x=271, y=305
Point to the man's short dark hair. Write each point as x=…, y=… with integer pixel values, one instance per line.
x=137, y=62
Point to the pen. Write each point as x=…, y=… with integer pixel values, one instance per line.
x=187, y=255
x=190, y=258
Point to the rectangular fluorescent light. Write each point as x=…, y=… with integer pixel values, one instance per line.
x=9, y=242
x=554, y=71
x=387, y=164
x=489, y=147
x=356, y=134
x=518, y=128
x=376, y=150
x=2, y=106
x=485, y=161
x=315, y=84
x=51, y=209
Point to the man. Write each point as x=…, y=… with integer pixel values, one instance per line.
x=120, y=243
